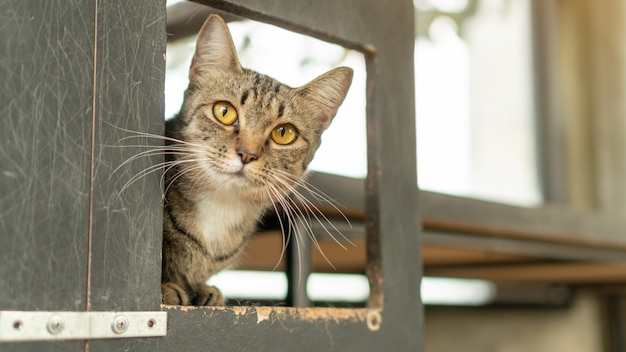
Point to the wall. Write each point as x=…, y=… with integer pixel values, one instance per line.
x=574, y=329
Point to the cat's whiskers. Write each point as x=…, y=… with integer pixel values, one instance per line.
x=139, y=134
x=183, y=149
x=314, y=210
x=203, y=177
x=185, y=153
x=315, y=192
x=180, y=150
x=184, y=171
x=165, y=166
x=305, y=221
x=292, y=219
x=154, y=152
x=296, y=215
x=269, y=190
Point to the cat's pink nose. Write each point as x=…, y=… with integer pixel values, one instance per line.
x=246, y=156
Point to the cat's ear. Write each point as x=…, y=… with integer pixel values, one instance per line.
x=214, y=49
x=327, y=92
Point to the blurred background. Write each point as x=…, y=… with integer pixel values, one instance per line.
x=519, y=107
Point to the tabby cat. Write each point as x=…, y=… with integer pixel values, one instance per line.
x=240, y=144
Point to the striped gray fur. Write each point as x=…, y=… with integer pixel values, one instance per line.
x=223, y=173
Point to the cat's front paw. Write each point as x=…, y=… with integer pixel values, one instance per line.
x=205, y=295
x=174, y=295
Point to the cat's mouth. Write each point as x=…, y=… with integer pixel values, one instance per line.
x=232, y=172
x=238, y=171
x=229, y=167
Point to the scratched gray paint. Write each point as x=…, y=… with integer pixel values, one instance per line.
x=127, y=222
x=45, y=111
x=127, y=234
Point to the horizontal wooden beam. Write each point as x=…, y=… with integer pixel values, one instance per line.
x=465, y=260
x=185, y=19
x=441, y=212
x=570, y=273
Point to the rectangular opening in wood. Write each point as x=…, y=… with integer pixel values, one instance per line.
x=310, y=249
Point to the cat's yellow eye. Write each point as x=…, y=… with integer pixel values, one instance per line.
x=284, y=134
x=225, y=113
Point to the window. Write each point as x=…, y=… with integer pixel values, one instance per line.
x=474, y=100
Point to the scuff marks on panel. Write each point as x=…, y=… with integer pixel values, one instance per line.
x=45, y=65
x=127, y=226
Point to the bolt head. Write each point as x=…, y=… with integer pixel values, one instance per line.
x=119, y=324
x=55, y=325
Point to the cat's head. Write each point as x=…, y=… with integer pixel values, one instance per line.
x=247, y=129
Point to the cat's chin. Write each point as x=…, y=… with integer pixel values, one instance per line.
x=233, y=181
x=239, y=177
x=231, y=171
x=240, y=174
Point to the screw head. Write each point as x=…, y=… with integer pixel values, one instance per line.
x=55, y=325
x=119, y=324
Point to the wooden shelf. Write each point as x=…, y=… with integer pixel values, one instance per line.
x=264, y=253
x=469, y=238
x=569, y=273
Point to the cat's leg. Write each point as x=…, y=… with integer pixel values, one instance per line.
x=205, y=295
x=173, y=294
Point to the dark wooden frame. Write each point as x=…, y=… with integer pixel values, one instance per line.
x=81, y=75
x=393, y=317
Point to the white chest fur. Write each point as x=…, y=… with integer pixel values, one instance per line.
x=219, y=213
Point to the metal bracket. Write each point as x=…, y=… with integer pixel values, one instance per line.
x=36, y=326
